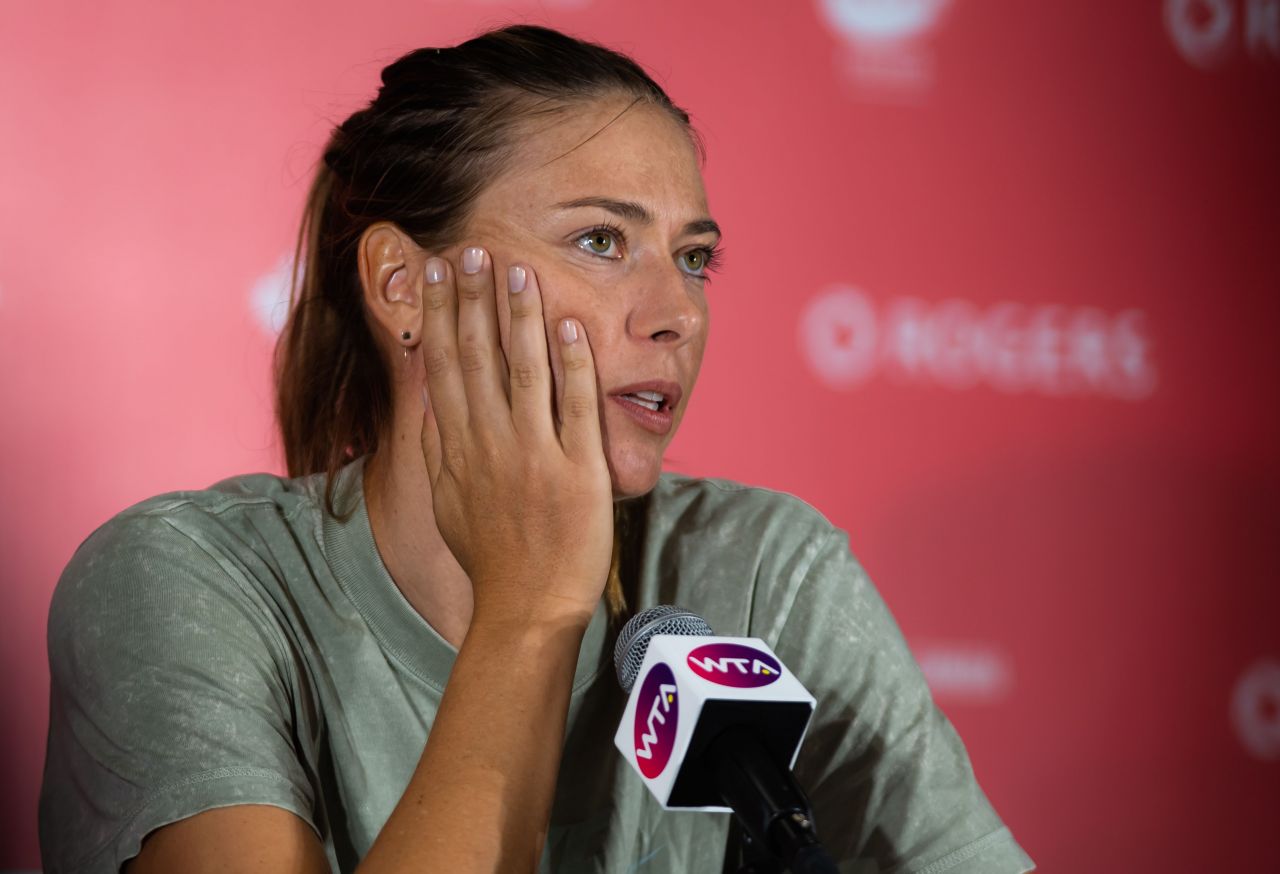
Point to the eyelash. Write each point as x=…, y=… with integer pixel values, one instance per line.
x=713, y=255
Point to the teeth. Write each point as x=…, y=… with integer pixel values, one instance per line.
x=649, y=396
x=644, y=402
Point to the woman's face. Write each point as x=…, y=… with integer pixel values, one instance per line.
x=610, y=212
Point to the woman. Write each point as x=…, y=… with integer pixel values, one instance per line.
x=379, y=661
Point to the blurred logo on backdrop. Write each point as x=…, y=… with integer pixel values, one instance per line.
x=972, y=672
x=554, y=4
x=269, y=296
x=886, y=54
x=849, y=339
x=1207, y=32
x=1255, y=709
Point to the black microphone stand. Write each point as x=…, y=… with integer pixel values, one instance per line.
x=777, y=822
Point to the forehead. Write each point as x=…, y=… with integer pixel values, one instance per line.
x=608, y=148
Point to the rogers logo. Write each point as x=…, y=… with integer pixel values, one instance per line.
x=1255, y=709
x=732, y=664
x=848, y=339
x=839, y=334
x=1204, y=31
x=1200, y=29
x=657, y=713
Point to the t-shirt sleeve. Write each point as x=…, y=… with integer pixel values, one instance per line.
x=890, y=781
x=170, y=696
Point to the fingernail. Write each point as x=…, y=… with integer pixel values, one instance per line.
x=426, y=399
x=516, y=279
x=435, y=271
x=568, y=331
x=472, y=260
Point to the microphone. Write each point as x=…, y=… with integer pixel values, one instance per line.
x=715, y=724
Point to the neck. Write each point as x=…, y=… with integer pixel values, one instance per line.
x=397, y=491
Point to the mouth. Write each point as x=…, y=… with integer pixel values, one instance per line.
x=651, y=404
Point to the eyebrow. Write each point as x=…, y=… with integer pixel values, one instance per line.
x=632, y=211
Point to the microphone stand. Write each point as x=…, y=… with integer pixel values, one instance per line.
x=776, y=819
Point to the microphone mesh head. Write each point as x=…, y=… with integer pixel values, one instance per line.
x=633, y=641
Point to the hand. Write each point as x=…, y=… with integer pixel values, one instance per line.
x=525, y=506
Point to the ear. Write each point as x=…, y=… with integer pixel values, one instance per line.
x=390, y=265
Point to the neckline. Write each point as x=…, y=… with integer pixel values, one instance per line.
x=400, y=630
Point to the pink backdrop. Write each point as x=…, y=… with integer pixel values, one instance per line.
x=1001, y=299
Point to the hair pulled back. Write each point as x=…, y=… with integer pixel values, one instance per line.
x=418, y=155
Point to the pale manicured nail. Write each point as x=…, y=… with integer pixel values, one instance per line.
x=568, y=331
x=472, y=260
x=426, y=399
x=435, y=271
x=516, y=279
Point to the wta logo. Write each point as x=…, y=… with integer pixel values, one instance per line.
x=657, y=711
x=732, y=664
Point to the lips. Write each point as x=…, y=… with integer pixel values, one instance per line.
x=650, y=404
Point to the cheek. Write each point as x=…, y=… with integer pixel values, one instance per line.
x=567, y=295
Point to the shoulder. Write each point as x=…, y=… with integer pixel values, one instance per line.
x=225, y=504
x=763, y=563
x=739, y=554
x=174, y=688
x=155, y=566
x=183, y=524
x=709, y=503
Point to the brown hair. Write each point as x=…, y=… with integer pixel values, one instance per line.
x=417, y=156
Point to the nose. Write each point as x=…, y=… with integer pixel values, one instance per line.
x=669, y=307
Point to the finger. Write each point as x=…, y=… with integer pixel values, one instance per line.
x=479, y=347
x=440, y=350
x=579, y=411
x=430, y=438
x=527, y=355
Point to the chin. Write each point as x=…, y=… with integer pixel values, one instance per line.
x=634, y=473
x=634, y=455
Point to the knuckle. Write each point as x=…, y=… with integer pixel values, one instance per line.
x=472, y=291
x=436, y=299
x=524, y=375
x=576, y=363
x=579, y=406
x=453, y=453
x=436, y=360
x=472, y=358
x=490, y=448
x=523, y=310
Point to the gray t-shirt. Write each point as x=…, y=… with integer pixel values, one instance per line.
x=237, y=645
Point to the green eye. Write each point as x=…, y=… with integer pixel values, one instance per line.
x=695, y=261
x=699, y=262
x=601, y=242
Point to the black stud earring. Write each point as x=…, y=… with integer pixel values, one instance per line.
x=405, y=335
